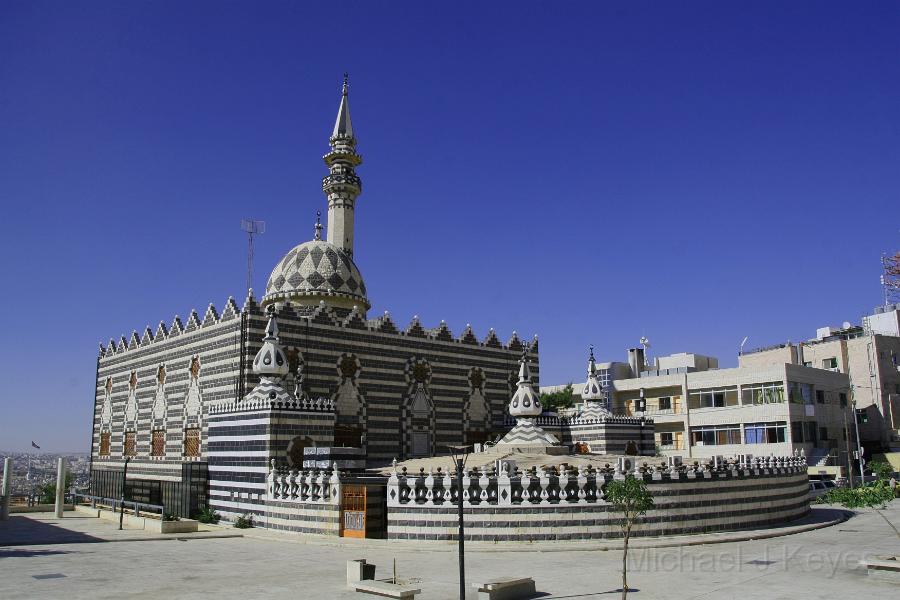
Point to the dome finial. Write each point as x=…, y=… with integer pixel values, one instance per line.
x=524, y=371
x=318, y=235
x=346, y=87
x=271, y=361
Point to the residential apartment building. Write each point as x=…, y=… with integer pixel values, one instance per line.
x=769, y=409
x=869, y=354
x=774, y=407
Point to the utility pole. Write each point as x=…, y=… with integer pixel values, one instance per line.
x=847, y=447
x=859, y=451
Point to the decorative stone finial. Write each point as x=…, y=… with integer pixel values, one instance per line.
x=271, y=361
x=596, y=401
x=318, y=235
x=525, y=401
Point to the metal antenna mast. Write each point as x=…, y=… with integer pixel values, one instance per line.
x=252, y=228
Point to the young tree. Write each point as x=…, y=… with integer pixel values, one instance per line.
x=47, y=492
x=560, y=399
x=881, y=470
x=631, y=497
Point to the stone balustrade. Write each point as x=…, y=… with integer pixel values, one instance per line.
x=557, y=421
x=304, y=404
x=574, y=486
x=310, y=486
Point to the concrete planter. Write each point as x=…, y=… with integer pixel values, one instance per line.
x=38, y=508
x=145, y=523
x=182, y=526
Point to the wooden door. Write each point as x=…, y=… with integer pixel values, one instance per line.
x=353, y=511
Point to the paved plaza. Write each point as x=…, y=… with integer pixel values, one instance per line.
x=81, y=557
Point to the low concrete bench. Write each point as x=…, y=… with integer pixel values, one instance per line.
x=886, y=568
x=359, y=570
x=389, y=590
x=506, y=588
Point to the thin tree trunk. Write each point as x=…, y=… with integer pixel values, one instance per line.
x=627, y=532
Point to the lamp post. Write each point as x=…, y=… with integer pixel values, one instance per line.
x=122, y=504
x=460, y=454
x=642, y=408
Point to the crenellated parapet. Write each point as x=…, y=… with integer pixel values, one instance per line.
x=323, y=314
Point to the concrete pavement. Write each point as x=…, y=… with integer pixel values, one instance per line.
x=820, y=563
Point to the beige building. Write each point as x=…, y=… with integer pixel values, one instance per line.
x=762, y=407
x=869, y=355
x=760, y=410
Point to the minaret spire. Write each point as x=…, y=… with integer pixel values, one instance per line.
x=342, y=125
x=341, y=186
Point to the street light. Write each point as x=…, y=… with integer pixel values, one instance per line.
x=460, y=455
x=641, y=408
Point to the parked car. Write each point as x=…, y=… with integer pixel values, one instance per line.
x=818, y=487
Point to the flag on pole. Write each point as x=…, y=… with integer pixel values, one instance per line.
x=33, y=445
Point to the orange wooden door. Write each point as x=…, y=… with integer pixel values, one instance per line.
x=353, y=511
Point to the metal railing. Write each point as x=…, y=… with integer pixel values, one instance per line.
x=116, y=504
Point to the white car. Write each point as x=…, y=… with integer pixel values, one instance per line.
x=818, y=487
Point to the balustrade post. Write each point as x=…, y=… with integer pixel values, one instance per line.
x=322, y=487
x=447, y=488
x=429, y=488
x=467, y=483
x=544, y=482
x=581, y=482
x=563, y=486
x=483, y=484
x=270, y=480
x=526, y=485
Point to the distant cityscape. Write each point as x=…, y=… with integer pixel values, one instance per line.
x=42, y=469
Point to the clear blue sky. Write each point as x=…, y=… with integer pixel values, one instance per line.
x=591, y=172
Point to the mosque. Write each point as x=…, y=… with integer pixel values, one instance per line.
x=392, y=391
x=305, y=412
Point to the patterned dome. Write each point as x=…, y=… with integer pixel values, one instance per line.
x=316, y=270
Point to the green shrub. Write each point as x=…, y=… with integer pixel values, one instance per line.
x=882, y=470
x=170, y=517
x=244, y=522
x=208, y=515
x=876, y=494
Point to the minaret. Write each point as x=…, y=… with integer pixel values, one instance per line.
x=341, y=186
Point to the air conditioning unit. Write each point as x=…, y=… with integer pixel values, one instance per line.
x=625, y=464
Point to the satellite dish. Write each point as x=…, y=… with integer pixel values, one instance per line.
x=645, y=342
x=846, y=325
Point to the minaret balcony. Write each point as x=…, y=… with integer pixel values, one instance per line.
x=342, y=182
x=336, y=156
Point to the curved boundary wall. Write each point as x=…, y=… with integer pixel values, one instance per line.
x=684, y=504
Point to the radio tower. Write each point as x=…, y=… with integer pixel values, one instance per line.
x=252, y=228
x=890, y=277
